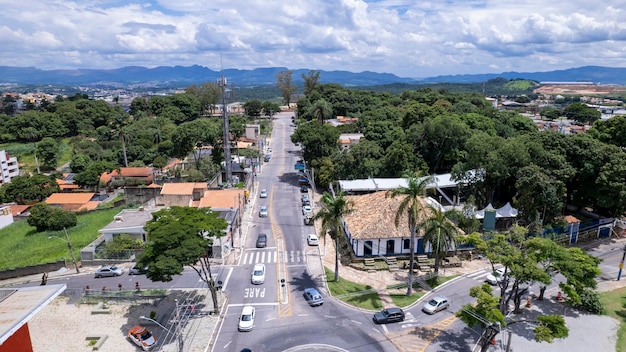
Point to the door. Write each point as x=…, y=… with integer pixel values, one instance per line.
x=367, y=248
x=390, y=247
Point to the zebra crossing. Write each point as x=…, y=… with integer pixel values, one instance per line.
x=269, y=257
x=480, y=275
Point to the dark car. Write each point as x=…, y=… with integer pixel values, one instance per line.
x=304, y=189
x=266, y=158
x=389, y=315
x=261, y=241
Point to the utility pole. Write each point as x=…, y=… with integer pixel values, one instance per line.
x=228, y=163
x=621, y=265
x=69, y=245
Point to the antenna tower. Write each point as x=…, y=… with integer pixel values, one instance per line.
x=228, y=162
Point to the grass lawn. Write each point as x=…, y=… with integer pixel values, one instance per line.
x=358, y=295
x=402, y=300
x=615, y=306
x=21, y=245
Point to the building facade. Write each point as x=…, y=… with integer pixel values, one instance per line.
x=9, y=167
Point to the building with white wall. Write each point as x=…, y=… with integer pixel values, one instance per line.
x=9, y=167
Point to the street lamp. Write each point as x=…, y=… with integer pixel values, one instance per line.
x=69, y=245
x=156, y=322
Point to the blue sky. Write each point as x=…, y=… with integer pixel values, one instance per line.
x=409, y=38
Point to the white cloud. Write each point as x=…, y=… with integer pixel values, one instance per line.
x=409, y=38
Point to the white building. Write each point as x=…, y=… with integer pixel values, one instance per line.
x=8, y=167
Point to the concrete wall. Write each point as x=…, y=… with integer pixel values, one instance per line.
x=32, y=270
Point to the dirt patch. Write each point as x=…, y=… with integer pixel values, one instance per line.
x=567, y=89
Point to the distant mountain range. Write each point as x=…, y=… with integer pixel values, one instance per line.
x=177, y=76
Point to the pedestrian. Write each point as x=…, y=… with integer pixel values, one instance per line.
x=44, y=279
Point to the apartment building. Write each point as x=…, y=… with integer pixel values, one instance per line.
x=8, y=167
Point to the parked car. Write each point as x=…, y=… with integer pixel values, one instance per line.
x=269, y=150
x=389, y=315
x=306, y=209
x=137, y=270
x=312, y=240
x=435, y=305
x=261, y=240
x=313, y=297
x=304, y=189
x=305, y=198
x=263, y=193
x=267, y=157
x=258, y=274
x=142, y=337
x=263, y=211
x=496, y=276
x=306, y=202
x=246, y=320
x=109, y=270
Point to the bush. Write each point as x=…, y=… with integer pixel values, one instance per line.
x=590, y=301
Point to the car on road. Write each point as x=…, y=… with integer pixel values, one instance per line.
x=108, y=271
x=304, y=189
x=261, y=240
x=263, y=193
x=496, y=276
x=313, y=297
x=435, y=305
x=389, y=315
x=263, y=211
x=306, y=209
x=269, y=150
x=258, y=274
x=312, y=240
x=267, y=157
x=137, y=270
x=246, y=320
x=304, y=198
x=142, y=337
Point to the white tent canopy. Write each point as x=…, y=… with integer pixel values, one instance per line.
x=507, y=211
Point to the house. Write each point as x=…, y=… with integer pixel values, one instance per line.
x=130, y=222
x=9, y=167
x=66, y=184
x=229, y=204
x=348, y=139
x=74, y=201
x=128, y=176
x=18, y=306
x=6, y=216
x=371, y=229
x=184, y=194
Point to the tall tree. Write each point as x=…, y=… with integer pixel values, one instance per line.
x=439, y=232
x=331, y=214
x=179, y=237
x=48, y=148
x=411, y=204
x=118, y=124
x=283, y=80
x=311, y=81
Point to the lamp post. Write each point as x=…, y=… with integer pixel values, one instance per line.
x=69, y=245
x=156, y=322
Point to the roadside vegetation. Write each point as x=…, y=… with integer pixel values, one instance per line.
x=614, y=303
x=358, y=295
x=22, y=245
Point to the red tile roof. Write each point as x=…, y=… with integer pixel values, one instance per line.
x=138, y=172
x=221, y=198
x=70, y=198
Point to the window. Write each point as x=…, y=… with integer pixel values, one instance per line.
x=406, y=244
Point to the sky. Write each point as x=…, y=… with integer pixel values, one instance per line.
x=409, y=38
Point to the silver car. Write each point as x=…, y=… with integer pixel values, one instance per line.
x=313, y=297
x=108, y=270
x=263, y=211
x=435, y=305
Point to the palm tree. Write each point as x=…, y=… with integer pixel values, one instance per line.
x=440, y=232
x=411, y=205
x=332, y=212
x=322, y=110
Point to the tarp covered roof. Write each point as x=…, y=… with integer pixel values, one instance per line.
x=506, y=211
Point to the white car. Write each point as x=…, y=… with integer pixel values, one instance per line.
x=312, y=240
x=496, y=277
x=258, y=274
x=263, y=193
x=263, y=211
x=306, y=209
x=246, y=320
x=435, y=305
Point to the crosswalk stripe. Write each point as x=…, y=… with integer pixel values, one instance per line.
x=272, y=257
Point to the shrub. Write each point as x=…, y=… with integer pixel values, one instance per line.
x=590, y=301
